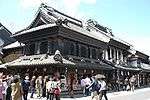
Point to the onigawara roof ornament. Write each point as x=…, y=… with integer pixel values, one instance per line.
x=95, y=24
x=58, y=56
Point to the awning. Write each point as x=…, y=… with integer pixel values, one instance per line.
x=42, y=59
x=129, y=68
x=2, y=66
x=100, y=65
x=145, y=67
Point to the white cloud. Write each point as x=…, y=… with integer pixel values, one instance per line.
x=71, y=7
x=25, y=4
x=89, y=1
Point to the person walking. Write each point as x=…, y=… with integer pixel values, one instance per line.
x=126, y=83
x=5, y=88
x=2, y=89
x=50, y=89
x=39, y=85
x=95, y=87
x=83, y=84
x=57, y=89
x=132, y=83
x=32, y=86
x=25, y=85
x=8, y=90
x=87, y=84
x=103, y=89
x=17, y=91
x=44, y=86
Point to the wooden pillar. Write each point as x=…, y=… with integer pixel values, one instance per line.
x=103, y=55
x=138, y=80
x=118, y=74
x=121, y=55
x=79, y=48
x=106, y=55
x=90, y=52
x=114, y=54
x=110, y=53
x=117, y=55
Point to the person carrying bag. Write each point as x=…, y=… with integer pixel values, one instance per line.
x=57, y=90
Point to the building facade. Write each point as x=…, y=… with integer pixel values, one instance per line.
x=56, y=42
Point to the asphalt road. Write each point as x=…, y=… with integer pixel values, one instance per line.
x=137, y=95
x=140, y=94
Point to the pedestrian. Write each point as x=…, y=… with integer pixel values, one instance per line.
x=2, y=89
x=87, y=84
x=5, y=88
x=39, y=86
x=8, y=90
x=126, y=83
x=17, y=91
x=95, y=86
x=32, y=86
x=132, y=83
x=57, y=89
x=44, y=86
x=25, y=85
x=83, y=84
x=103, y=89
x=50, y=89
x=117, y=85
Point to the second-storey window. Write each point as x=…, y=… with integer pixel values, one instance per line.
x=83, y=51
x=30, y=49
x=69, y=47
x=93, y=53
x=119, y=55
x=72, y=48
x=100, y=54
x=43, y=47
x=52, y=47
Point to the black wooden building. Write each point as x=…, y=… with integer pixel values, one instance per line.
x=56, y=42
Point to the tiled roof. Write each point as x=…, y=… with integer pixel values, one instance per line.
x=33, y=60
x=93, y=34
x=50, y=16
x=145, y=67
x=3, y=66
x=14, y=45
x=127, y=68
x=5, y=35
x=101, y=65
x=35, y=29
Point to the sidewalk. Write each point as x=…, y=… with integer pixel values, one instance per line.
x=109, y=95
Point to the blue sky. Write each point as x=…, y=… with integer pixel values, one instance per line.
x=129, y=19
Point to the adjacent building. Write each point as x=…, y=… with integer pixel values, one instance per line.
x=5, y=39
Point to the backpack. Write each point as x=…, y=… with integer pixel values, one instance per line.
x=97, y=86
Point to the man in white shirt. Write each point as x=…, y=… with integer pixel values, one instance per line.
x=103, y=89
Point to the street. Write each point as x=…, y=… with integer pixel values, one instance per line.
x=140, y=94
